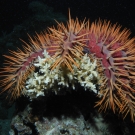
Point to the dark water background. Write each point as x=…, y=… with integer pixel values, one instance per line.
x=13, y=12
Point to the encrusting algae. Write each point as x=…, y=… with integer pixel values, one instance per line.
x=84, y=53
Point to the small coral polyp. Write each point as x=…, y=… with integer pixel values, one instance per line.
x=90, y=54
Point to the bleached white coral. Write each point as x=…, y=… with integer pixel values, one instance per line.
x=45, y=80
x=87, y=73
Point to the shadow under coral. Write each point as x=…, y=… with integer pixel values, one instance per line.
x=71, y=105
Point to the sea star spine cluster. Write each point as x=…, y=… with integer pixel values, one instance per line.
x=67, y=45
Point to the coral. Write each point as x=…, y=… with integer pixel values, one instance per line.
x=18, y=125
x=109, y=63
x=38, y=122
x=63, y=125
x=41, y=82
